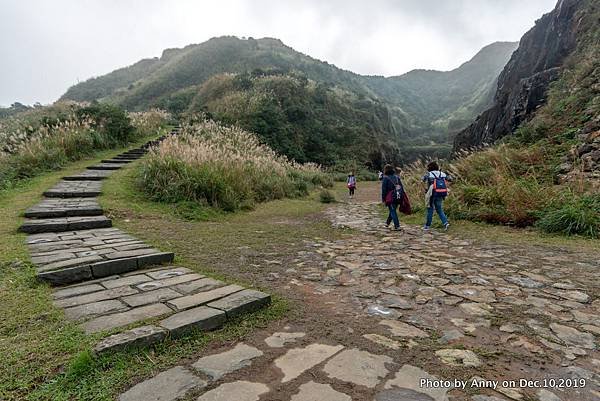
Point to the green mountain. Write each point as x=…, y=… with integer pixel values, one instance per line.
x=315, y=106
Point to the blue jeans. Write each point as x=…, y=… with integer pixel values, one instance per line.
x=437, y=204
x=393, y=216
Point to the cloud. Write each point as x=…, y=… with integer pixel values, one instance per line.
x=49, y=45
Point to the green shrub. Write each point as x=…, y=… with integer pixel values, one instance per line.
x=110, y=119
x=326, y=196
x=572, y=215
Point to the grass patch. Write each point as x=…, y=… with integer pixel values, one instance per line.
x=326, y=196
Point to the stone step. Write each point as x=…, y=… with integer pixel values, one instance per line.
x=60, y=224
x=89, y=175
x=201, y=318
x=57, y=207
x=68, y=257
x=127, y=157
x=106, y=166
x=91, y=267
x=116, y=161
x=74, y=189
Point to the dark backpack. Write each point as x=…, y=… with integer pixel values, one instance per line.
x=440, y=186
x=394, y=196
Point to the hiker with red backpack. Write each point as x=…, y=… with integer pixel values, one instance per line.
x=437, y=190
x=391, y=194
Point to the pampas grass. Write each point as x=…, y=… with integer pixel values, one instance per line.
x=224, y=167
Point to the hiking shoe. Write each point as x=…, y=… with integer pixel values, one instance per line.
x=446, y=226
x=398, y=228
x=425, y=228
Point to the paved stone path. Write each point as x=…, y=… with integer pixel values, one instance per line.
x=72, y=242
x=475, y=311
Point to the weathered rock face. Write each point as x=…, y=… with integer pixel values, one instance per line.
x=523, y=83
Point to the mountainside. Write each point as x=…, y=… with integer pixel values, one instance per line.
x=298, y=117
x=414, y=111
x=559, y=52
x=443, y=98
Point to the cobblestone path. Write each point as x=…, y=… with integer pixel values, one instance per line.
x=427, y=316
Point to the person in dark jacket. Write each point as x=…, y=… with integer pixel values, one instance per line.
x=388, y=186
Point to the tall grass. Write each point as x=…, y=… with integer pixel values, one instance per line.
x=224, y=167
x=513, y=186
x=47, y=138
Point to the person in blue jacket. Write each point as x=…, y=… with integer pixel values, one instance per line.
x=388, y=186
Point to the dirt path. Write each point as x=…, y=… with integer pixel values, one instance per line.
x=377, y=311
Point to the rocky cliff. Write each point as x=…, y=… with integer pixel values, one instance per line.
x=523, y=83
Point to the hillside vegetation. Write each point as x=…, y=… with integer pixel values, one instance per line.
x=415, y=111
x=225, y=168
x=302, y=119
x=47, y=138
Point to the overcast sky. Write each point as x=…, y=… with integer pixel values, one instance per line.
x=49, y=45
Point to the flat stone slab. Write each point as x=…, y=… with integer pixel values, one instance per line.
x=204, y=284
x=74, y=189
x=169, y=385
x=95, y=297
x=112, y=321
x=76, y=290
x=573, y=336
x=409, y=377
x=312, y=391
x=89, y=175
x=150, y=297
x=202, y=298
x=137, y=337
x=58, y=207
x=200, y=318
x=242, y=302
x=472, y=293
x=59, y=224
x=401, y=329
x=81, y=312
x=298, y=360
x=358, y=367
x=218, y=365
x=238, y=391
x=172, y=281
x=458, y=357
x=280, y=339
x=106, y=166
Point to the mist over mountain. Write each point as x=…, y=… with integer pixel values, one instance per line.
x=377, y=117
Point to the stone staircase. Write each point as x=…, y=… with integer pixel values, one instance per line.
x=71, y=240
x=109, y=279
